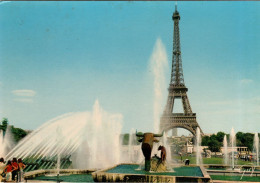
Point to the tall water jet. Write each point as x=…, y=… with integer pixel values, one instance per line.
x=225, y=148
x=256, y=148
x=135, y=154
x=198, y=147
x=2, y=149
x=58, y=140
x=232, y=142
x=131, y=146
x=168, y=148
x=159, y=64
x=94, y=133
x=58, y=164
x=6, y=141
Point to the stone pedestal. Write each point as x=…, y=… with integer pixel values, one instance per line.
x=157, y=165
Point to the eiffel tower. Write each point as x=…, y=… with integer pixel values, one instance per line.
x=177, y=89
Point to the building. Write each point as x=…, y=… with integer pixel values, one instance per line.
x=239, y=150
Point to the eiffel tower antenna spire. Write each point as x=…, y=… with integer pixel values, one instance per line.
x=177, y=89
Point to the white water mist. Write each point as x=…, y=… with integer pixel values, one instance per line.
x=159, y=64
x=232, y=142
x=92, y=138
x=6, y=141
x=225, y=148
x=256, y=148
x=59, y=138
x=167, y=147
x=132, y=138
x=198, y=147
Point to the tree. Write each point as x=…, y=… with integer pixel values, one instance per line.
x=216, y=141
x=4, y=124
x=239, y=135
x=245, y=139
x=213, y=142
x=214, y=145
x=205, y=141
x=240, y=138
x=248, y=140
x=18, y=133
x=220, y=136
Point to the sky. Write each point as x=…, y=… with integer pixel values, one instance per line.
x=60, y=57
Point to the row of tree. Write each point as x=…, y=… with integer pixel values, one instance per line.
x=18, y=133
x=215, y=141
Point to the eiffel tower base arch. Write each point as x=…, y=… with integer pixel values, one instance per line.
x=187, y=122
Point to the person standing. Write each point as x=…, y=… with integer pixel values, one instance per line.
x=2, y=167
x=15, y=168
x=8, y=171
x=21, y=168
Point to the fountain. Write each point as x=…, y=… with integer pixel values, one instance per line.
x=2, y=143
x=256, y=148
x=92, y=140
x=58, y=141
x=159, y=65
x=93, y=133
x=155, y=167
x=225, y=150
x=232, y=142
x=168, y=148
x=131, y=146
x=6, y=141
x=198, y=147
x=58, y=167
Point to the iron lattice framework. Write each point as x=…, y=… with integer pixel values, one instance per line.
x=177, y=89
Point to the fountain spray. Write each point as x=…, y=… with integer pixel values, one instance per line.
x=159, y=65
x=233, y=146
x=225, y=150
x=256, y=148
x=198, y=147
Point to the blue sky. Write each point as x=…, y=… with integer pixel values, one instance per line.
x=59, y=57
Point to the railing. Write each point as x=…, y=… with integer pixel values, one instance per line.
x=181, y=114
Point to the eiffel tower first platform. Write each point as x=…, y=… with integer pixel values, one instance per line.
x=177, y=89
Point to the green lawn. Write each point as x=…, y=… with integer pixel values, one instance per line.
x=212, y=160
x=235, y=178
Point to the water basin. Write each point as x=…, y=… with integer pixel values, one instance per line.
x=178, y=171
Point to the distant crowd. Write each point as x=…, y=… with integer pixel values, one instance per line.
x=12, y=170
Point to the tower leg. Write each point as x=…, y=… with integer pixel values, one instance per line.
x=186, y=105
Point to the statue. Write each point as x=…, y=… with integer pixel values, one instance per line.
x=147, y=145
x=159, y=164
x=163, y=153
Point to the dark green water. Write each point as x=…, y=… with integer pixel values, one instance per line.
x=247, y=169
x=235, y=178
x=68, y=178
x=179, y=171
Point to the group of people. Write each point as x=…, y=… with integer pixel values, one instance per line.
x=12, y=170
